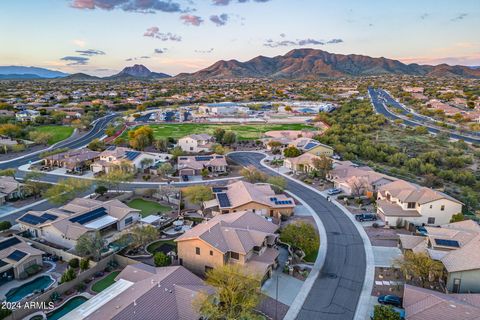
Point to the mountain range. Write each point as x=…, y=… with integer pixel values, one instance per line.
x=296, y=64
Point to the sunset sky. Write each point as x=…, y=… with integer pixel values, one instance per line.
x=102, y=36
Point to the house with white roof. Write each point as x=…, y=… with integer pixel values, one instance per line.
x=65, y=225
x=120, y=157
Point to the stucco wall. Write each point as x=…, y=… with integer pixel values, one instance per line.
x=470, y=281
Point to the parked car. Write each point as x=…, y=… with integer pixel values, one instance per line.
x=366, y=217
x=185, y=178
x=400, y=311
x=390, y=299
x=421, y=230
x=333, y=191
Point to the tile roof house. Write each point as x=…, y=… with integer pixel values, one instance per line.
x=27, y=115
x=355, y=180
x=312, y=146
x=240, y=237
x=259, y=198
x=193, y=165
x=63, y=226
x=400, y=201
x=195, y=143
x=302, y=163
x=10, y=189
x=116, y=157
x=144, y=292
x=16, y=256
x=424, y=304
x=73, y=160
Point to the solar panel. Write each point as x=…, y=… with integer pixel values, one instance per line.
x=131, y=155
x=218, y=189
x=89, y=216
x=49, y=216
x=33, y=220
x=219, y=157
x=16, y=255
x=223, y=200
x=311, y=145
x=2, y=263
x=8, y=243
x=110, y=148
x=447, y=243
x=183, y=158
x=273, y=199
x=204, y=158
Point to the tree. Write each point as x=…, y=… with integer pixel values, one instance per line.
x=101, y=190
x=301, y=235
x=218, y=134
x=229, y=138
x=110, y=130
x=84, y=264
x=197, y=194
x=278, y=182
x=32, y=185
x=141, y=137
x=91, y=245
x=67, y=189
x=161, y=145
x=74, y=263
x=419, y=266
x=237, y=293
x=40, y=137
x=10, y=130
x=143, y=235
x=177, y=152
x=381, y=312
x=253, y=175
x=146, y=163
x=161, y=259
x=219, y=149
x=166, y=169
x=5, y=225
x=10, y=172
x=114, y=178
x=457, y=217
x=97, y=145
x=274, y=145
x=68, y=275
x=288, y=108
x=322, y=165
x=291, y=152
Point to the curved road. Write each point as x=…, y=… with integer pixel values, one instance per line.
x=376, y=96
x=336, y=292
x=97, y=131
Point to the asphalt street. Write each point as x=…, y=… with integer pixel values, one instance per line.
x=379, y=96
x=336, y=292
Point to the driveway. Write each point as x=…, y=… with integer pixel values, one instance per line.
x=385, y=256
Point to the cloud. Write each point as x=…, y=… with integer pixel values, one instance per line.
x=160, y=51
x=282, y=35
x=142, y=6
x=204, y=51
x=137, y=58
x=299, y=42
x=227, y=2
x=191, y=19
x=424, y=16
x=90, y=52
x=75, y=61
x=80, y=43
x=459, y=17
x=154, y=32
x=219, y=20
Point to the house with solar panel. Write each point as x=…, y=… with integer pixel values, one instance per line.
x=116, y=157
x=194, y=165
x=63, y=226
x=196, y=143
x=259, y=198
x=10, y=189
x=456, y=245
x=313, y=147
x=16, y=256
x=74, y=161
x=242, y=237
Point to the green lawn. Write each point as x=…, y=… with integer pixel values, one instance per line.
x=243, y=131
x=148, y=207
x=59, y=132
x=311, y=257
x=104, y=283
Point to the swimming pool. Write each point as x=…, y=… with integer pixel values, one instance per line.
x=66, y=307
x=37, y=284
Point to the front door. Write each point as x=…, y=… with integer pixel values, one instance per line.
x=456, y=285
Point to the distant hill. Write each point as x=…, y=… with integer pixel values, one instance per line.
x=80, y=77
x=315, y=64
x=20, y=72
x=137, y=71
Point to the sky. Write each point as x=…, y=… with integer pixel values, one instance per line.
x=100, y=37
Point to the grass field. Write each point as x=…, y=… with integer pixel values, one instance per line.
x=104, y=283
x=59, y=132
x=148, y=207
x=243, y=131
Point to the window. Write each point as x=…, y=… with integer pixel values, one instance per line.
x=211, y=252
x=207, y=268
x=234, y=255
x=128, y=221
x=431, y=220
x=197, y=250
x=431, y=206
x=442, y=208
x=411, y=205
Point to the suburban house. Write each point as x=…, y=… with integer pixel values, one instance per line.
x=195, y=143
x=75, y=161
x=242, y=237
x=222, y=109
x=312, y=146
x=401, y=202
x=10, y=189
x=141, y=291
x=27, y=115
x=120, y=157
x=302, y=163
x=355, y=180
x=193, y=165
x=424, y=304
x=456, y=246
x=15, y=257
x=259, y=198
x=286, y=137
x=63, y=226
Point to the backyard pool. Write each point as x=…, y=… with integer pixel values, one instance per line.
x=37, y=284
x=66, y=308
